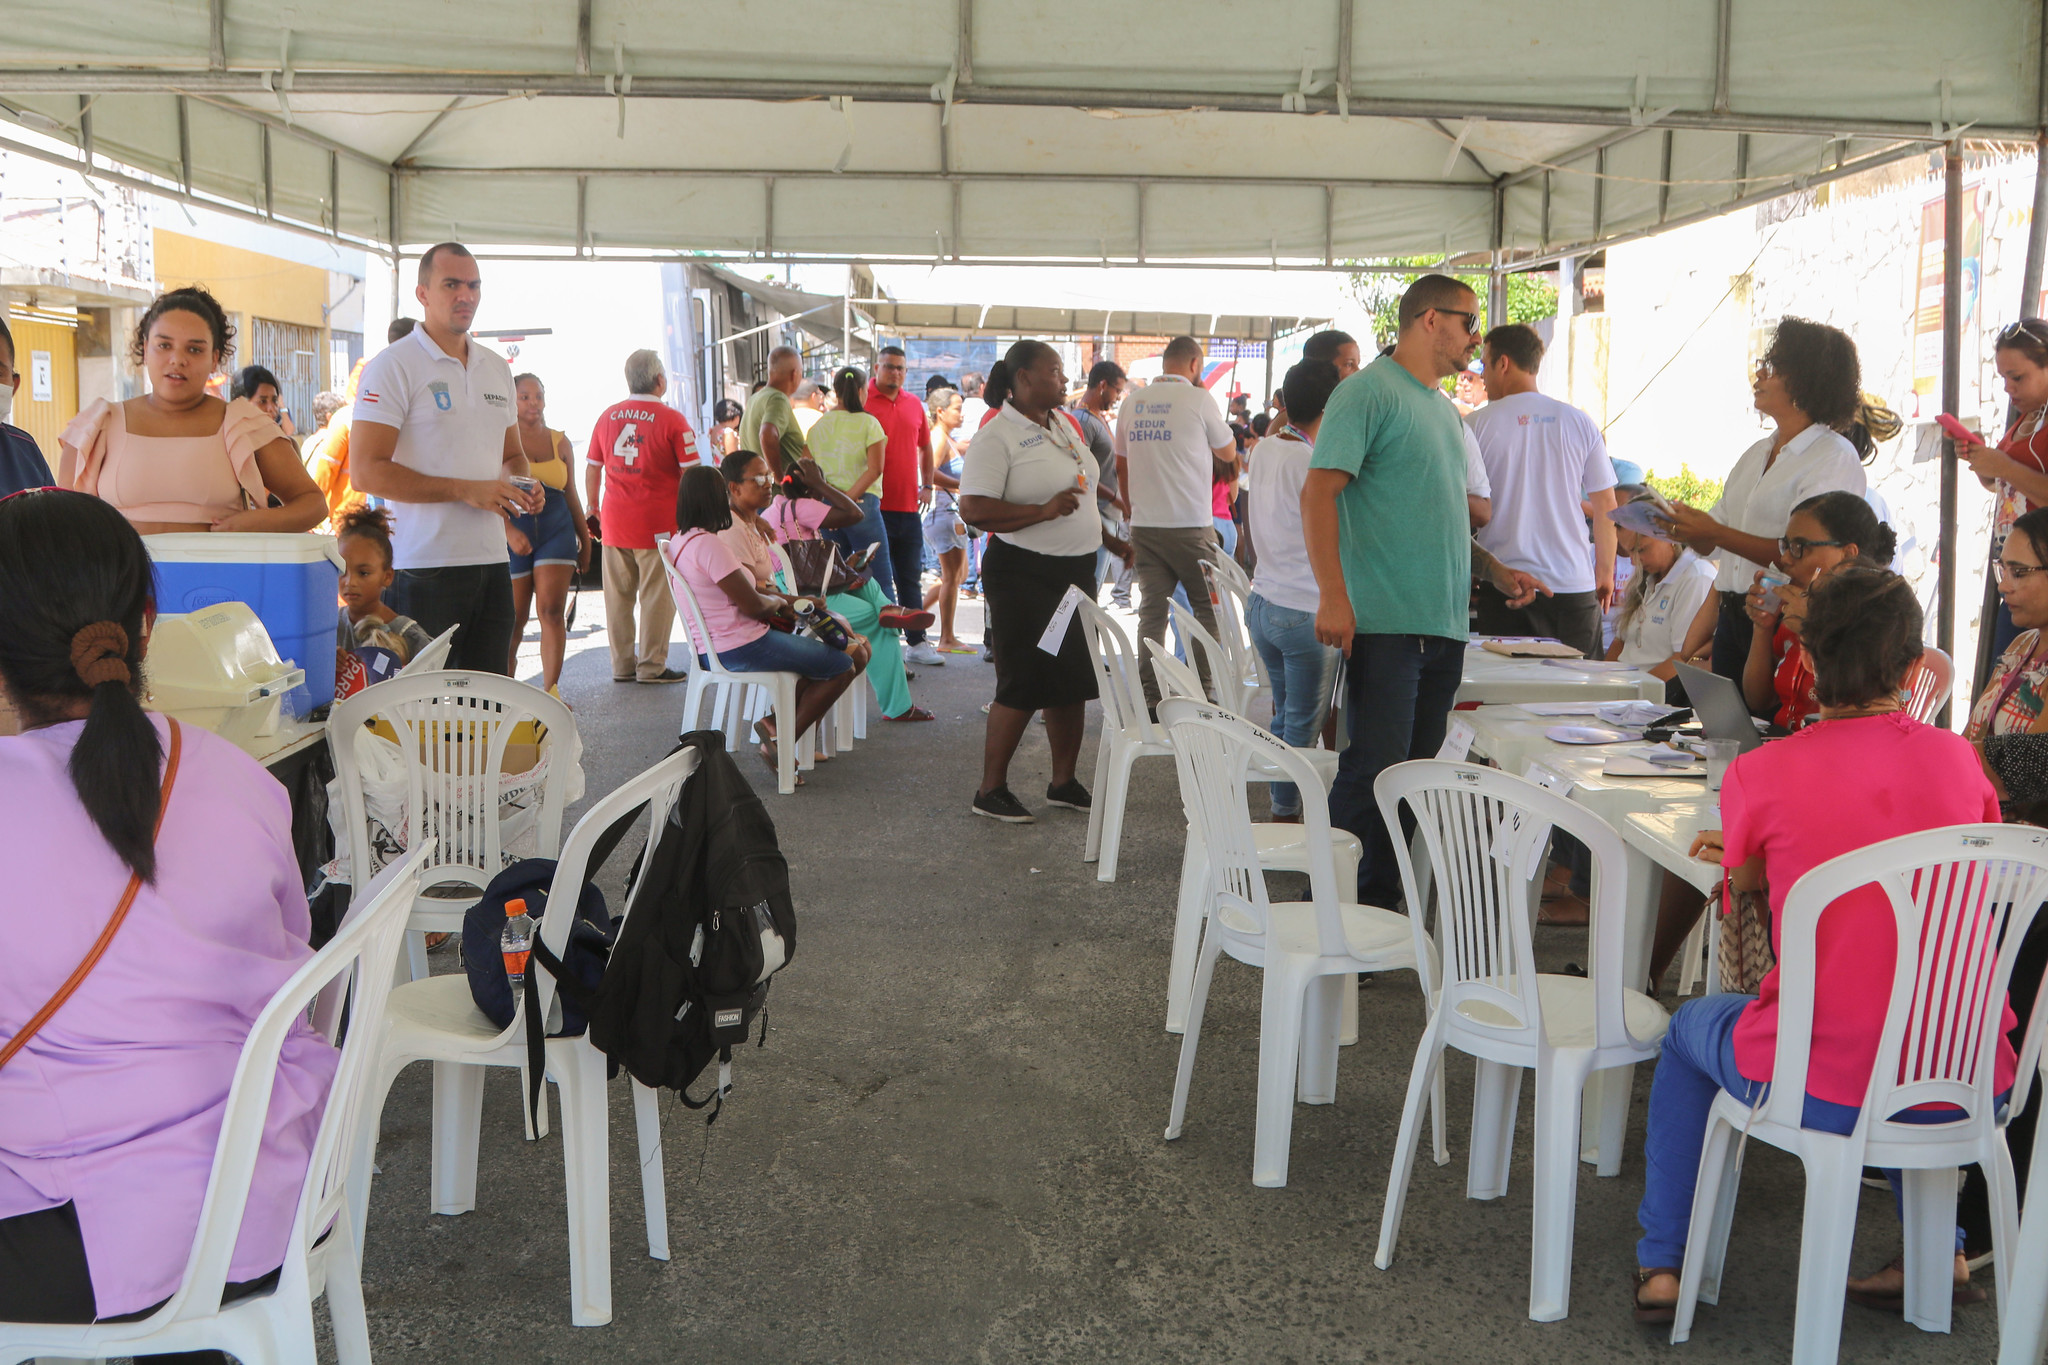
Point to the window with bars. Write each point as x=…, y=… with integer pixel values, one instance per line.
x=294, y=354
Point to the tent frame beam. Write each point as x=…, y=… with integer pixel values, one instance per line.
x=952, y=177
x=311, y=84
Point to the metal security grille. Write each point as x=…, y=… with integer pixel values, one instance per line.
x=293, y=354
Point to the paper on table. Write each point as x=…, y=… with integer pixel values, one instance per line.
x=1621, y=765
x=1592, y=665
x=1062, y=619
x=1533, y=649
x=1663, y=755
x=1634, y=715
x=1458, y=737
x=1549, y=778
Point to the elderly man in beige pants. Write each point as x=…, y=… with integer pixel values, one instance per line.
x=636, y=457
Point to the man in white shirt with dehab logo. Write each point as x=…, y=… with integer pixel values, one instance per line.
x=1172, y=445
x=434, y=435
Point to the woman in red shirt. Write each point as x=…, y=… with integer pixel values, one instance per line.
x=1823, y=533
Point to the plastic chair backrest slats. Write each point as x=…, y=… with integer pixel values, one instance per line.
x=1962, y=899
x=689, y=613
x=1176, y=679
x=432, y=658
x=1485, y=834
x=363, y=954
x=453, y=728
x=1116, y=675
x=1929, y=684
x=1225, y=674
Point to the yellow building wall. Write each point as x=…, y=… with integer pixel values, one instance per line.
x=44, y=420
x=247, y=283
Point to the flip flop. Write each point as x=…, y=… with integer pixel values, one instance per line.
x=1963, y=1294
x=959, y=649
x=767, y=752
x=914, y=713
x=1651, y=1314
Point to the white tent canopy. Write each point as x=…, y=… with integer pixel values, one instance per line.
x=1295, y=132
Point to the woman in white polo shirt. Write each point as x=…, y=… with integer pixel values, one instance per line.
x=1029, y=483
x=1809, y=384
x=1281, y=612
x=1668, y=613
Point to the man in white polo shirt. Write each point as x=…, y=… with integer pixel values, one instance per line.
x=1548, y=469
x=433, y=435
x=1172, y=446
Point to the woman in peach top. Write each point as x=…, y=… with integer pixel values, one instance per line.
x=177, y=458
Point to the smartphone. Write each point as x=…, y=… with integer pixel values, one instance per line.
x=1963, y=434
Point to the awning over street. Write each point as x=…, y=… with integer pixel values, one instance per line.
x=1297, y=132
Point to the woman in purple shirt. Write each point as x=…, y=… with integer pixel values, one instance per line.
x=110, y=1113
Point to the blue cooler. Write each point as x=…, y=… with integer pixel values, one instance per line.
x=291, y=582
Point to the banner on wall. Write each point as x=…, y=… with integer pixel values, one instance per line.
x=1927, y=312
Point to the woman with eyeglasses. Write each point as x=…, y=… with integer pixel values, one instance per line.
x=1822, y=534
x=2011, y=702
x=2016, y=469
x=1809, y=385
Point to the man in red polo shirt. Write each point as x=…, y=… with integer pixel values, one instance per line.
x=636, y=457
x=906, y=478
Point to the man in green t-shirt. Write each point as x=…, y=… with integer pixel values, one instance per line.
x=770, y=416
x=1389, y=539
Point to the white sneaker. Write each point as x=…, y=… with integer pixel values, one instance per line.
x=924, y=654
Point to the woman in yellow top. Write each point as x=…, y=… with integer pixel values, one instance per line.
x=547, y=546
x=177, y=458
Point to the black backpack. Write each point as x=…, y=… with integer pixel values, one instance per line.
x=709, y=924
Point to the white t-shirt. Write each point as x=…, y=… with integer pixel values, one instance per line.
x=1760, y=502
x=971, y=410
x=1476, y=484
x=1168, y=433
x=1657, y=630
x=1542, y=457
x=1273, y=507
x=451, y=422
x=1016, y=460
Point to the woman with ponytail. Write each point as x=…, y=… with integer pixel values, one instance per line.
x=159, y=857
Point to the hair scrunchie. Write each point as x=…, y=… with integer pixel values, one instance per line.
x=99, y=654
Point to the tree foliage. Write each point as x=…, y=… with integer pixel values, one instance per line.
x=1695, y=490
x=1530, y=296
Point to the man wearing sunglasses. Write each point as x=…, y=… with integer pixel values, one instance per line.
x=1389, y=541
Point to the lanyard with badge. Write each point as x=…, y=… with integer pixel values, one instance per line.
x=1294, y=433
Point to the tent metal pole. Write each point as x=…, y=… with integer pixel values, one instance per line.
x=1951, y=387
x=1496, y=281
x=1266, y=394
x=2037, y=234
x=846, y=320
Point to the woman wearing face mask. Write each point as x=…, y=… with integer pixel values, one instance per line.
x=21, y=460
x=2016, y=469
x=1822, y=534
x=1808, y=385
x=177, y=458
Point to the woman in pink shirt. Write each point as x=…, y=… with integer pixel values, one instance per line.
x=1863, y=630
x=110, y=1112
x=736, y=611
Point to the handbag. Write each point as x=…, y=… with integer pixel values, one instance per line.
x=1746, y=956
x=818, y=569
x=106, y=938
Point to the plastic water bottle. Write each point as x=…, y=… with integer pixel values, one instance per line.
x=516, y=943
x=820, y=624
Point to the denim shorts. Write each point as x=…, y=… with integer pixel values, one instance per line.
x=552, y=532
x=778, y=652
x=942, y=525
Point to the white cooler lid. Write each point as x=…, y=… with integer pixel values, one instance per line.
x=242, y=547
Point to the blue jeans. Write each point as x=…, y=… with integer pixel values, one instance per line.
x=777, y=652
x=1226, y=529
x=906, y=563
x=1300, y=670
x=1399, y=689
x=1698, y=1063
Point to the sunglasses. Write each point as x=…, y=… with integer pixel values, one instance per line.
x=1471, y=319
x=2025, y=327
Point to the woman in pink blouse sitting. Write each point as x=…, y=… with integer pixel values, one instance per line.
x=111, y=1110
x=1864, y=772
x=177, y=458
x=736, y=611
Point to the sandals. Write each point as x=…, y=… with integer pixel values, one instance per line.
x=914, y=713
x=1651, y=1314
x=1965, y=1293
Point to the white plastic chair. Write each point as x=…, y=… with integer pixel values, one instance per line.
x=436, y=1021
x=1128, y=734
x=2023, y=1307
x=1929, y=684
x=707, y=673
x=1307, y=949
x=324, y=1253
x=1281, y=847
x=1234, y=690
x=431, y=659
x=1486, y=833
x=452, y=728
x=1230, y=593
x=1964, y=897
x=847, y=720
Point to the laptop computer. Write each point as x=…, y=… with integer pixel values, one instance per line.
x=1718, y=703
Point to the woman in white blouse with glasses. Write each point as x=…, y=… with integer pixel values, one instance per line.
x=1809, y=384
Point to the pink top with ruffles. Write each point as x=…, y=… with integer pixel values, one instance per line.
x=192, y=479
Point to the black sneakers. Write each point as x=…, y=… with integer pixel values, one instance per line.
x=1070, y=794
x=1002, y=804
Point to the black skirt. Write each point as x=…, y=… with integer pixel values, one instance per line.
x=1023, y=589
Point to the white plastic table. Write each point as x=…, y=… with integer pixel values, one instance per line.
x=1493, y=678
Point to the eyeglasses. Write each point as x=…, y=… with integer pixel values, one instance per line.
x=2010, y=572
x=1795, y=547
x=1471, y=319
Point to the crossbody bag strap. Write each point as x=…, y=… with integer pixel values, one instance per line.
x=106, y=938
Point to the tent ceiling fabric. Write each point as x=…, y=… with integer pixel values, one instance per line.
x=1140, y=131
